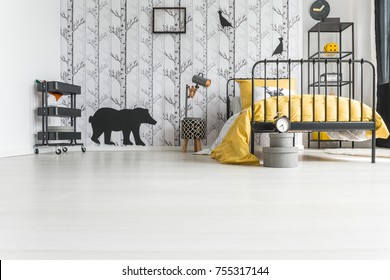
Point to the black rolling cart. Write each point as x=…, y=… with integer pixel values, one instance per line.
x=50, y=134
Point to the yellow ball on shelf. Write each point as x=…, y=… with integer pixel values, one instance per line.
x=331, y=48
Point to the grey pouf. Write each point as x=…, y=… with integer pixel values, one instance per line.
x=193, y=128
x=280, y=157
x=282, y=153
x=285, y=140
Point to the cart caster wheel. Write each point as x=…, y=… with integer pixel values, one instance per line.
x=36, y=151
x=58, y=151
x=83, y=149
x=64, y=149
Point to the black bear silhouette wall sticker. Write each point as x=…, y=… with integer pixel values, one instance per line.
x=107, y=120
x=279, y=48
x=224, y=21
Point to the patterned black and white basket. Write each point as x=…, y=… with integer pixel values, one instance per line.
x=193, y=128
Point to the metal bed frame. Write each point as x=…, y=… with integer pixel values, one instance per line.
x=314, y=89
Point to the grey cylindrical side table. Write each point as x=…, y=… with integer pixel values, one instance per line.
x=282, y=153
x=193, y=128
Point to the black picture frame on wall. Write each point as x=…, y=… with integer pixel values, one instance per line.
x=169, y=20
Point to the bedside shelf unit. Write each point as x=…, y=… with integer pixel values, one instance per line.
x=331, y=26
x=335, y=27
x=45, y=111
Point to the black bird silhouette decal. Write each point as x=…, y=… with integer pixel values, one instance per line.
x=279, y=48
x=223, y=20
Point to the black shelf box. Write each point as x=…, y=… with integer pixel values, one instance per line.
x=59, y=87
x=59, y=112
x=60, y=135
x=330, y=27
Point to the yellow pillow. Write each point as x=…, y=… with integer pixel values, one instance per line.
x=246, y=88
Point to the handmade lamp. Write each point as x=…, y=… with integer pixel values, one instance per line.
x=198, y=80
x=194, y=128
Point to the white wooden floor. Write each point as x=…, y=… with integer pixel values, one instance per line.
x=169, y=205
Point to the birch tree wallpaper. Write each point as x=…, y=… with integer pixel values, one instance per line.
x=108, y=48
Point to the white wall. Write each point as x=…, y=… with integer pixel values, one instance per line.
x=29, y=50
x=365, y=37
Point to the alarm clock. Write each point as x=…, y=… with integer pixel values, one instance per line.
x=319, y=10
x=282, y=124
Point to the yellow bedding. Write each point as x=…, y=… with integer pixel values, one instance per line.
x=234, y=148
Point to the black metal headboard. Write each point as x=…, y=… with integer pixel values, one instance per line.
x=228, y=95
x=314, y=69
x=228, y=113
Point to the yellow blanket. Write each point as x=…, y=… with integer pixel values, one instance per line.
x=234, y=148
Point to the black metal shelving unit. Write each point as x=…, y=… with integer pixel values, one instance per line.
x=45, y=111
x=330, y=26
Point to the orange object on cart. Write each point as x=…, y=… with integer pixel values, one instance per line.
x=56, y=95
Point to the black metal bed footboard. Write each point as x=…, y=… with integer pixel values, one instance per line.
x=315, y=77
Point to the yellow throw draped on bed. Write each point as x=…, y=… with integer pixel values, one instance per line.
x=234, y=149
